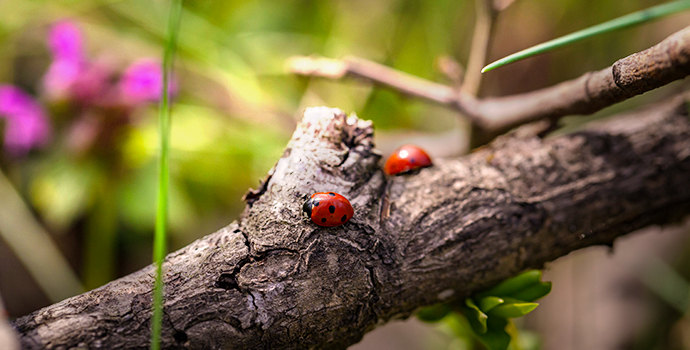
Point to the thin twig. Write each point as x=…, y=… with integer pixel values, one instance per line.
x=628, y=77
x=481, y=43
x=383, y=76
x=633, y=75
x=619, y=23
x=373, y=72
x=451, y=68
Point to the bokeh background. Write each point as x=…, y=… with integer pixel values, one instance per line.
x=78, y=158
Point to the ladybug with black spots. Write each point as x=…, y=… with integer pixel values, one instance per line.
x=406, y=159
x=328, y=209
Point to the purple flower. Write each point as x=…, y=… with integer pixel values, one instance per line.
x=143, y=82
x=66, y=46
x=60, y=77
x=27, y=126
x=65, y=42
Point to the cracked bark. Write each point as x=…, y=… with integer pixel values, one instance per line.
x=274, y=280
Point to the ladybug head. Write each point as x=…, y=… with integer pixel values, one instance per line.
x=306, y=208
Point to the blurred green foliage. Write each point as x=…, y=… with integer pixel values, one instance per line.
x=484, y=319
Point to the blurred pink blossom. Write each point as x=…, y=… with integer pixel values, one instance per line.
x=93, y=84
x=72, y=76
x=60, y=77
x=26, y=126
x=66, y=46
x=143, y=82
x=65, y=41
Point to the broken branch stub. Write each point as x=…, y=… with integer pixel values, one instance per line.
x=329, y=151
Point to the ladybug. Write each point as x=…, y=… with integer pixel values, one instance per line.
x=405, y=159
x=328, y=209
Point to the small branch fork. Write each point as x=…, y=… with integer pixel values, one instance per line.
x=630, y=76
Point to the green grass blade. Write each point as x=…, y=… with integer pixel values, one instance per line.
x=163, y=174
x=614, y=24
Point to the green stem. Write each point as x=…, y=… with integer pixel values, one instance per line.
x=163, y=174
x=614, y=24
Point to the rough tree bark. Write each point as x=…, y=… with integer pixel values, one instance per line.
x=274, y=280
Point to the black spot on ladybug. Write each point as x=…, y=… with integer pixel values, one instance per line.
x=343, y=218
x=331, y=209
x=323, y=219
x=331, y=194
x=316, y=204
x=411, y=160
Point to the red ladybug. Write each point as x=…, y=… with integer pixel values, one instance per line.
x=405, y=159
x=328, y=209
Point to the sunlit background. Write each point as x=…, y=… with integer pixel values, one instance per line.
x=80, y=135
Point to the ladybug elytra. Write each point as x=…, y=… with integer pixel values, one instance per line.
x=328, y=209
x=405, y=159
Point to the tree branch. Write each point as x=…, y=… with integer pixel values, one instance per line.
x=628, y=77
x=633, y=75
x=379, y=74
x=277, y=281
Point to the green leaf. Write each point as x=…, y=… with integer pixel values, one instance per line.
x=433, y=313
x=615, y=24
x=496, y=337
x=512, y=310
x=459, y=325
x=488, y=303
x=476, y=317
x=534, y=292
x=514, y=285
